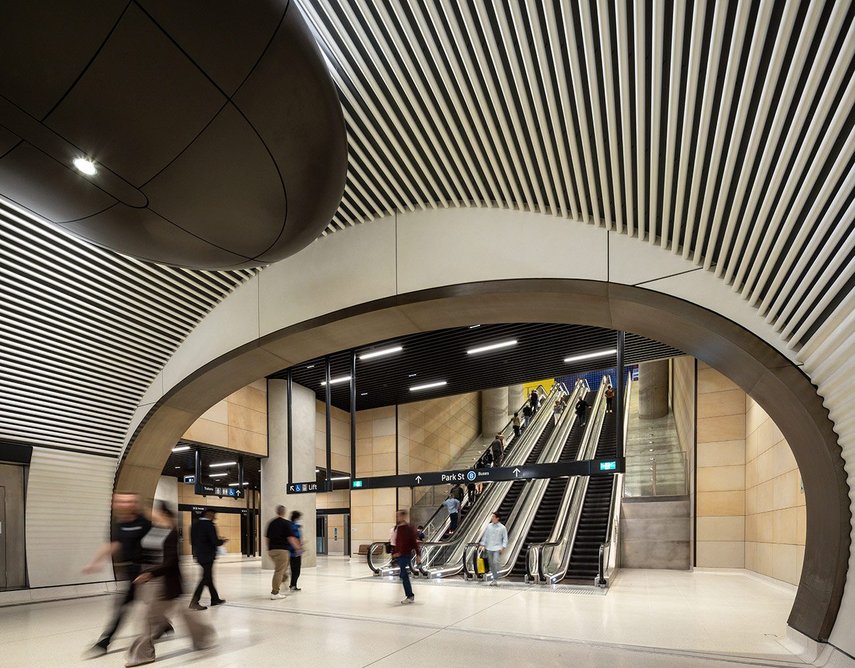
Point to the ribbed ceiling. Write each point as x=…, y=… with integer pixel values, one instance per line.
x=721, y=131
x=85, y=331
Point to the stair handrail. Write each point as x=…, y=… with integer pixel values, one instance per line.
x=609, y=550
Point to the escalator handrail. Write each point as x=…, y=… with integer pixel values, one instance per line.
x=577, y=488
x=505, y=431
x=526, y=507
x=497, y=490
x=604, y=555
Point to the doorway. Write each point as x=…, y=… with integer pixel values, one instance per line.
x=333, y=526
x=13, y=573
x=321, y=535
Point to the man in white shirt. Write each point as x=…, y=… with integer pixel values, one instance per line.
x=494, y=540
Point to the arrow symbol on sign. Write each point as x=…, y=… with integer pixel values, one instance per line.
x=419, y=479
x=516, y=473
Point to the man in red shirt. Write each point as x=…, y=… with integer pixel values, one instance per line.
x=406, y=542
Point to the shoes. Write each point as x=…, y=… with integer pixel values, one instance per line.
x=142, y=662
x=274, y=597
x=195, y=605
x=409, y=599
x=166, y=631
x=292, y=588
x=219, y=601
x=493, y=583
x=95, y=651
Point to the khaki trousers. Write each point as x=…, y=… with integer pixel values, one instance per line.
x=281, y=559
x=156, y=616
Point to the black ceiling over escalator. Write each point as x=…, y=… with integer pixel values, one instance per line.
x=441, y=355
x=183, y=463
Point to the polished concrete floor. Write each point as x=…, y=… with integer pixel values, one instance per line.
x=344, y=617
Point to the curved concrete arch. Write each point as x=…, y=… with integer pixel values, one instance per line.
x=414, y=278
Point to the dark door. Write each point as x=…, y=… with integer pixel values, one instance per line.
x=321, y=540
x=12, y=538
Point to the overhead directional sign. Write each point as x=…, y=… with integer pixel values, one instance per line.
x=522, y=472
x=303, y=487
x=212, y=490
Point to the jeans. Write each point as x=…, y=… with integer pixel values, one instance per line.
x=404, y=571
x=206, y=581
x=454, y=517
x=493, y=557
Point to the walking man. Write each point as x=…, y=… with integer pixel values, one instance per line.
x=204, y=540
x=494, y=540
x=406, y=543
x=452, y=505
x=129, y=528
x=280, y=540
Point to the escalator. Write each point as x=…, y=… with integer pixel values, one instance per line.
x=594, y=517
x=544, y=520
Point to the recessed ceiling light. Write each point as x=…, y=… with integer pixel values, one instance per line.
x=340, y=477
x=363, y=394
x=590, y=356
x=336, y=381
x=181, y=448
x=222, y=464
x=427, y=386
x=492, y=346
x=85, y=166
x=311, y=366
x=217, y=475
x=234, y=484
x=381, y=353
x=412, y=375
x=474, y=326
x=178, y=467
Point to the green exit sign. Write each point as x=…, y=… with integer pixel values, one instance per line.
x=608, y=466
x=357, y=483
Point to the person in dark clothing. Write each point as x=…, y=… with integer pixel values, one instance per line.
x=127, y=533
x=526, y=415
x=517, y=425
x=534, y=401
x=610, y=399
x=471, y=492
x=161, y=584
x=457, y=493
x=204, y=540
x=295, y=549
x=280, y=541
x=420, y=534
x=581, y=407
x=406, y=543
x=498, y=450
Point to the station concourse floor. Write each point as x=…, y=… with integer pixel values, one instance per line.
x=345, y=617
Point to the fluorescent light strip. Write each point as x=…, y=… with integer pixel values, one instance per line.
x=381, y=353
x=474, y=326
x=590, y=356
x=335, y=381
x=341, y=477
x=234, y=484
x=222, y=464
x=427, y=386
x=217, y=475
x=181, y=448
x=492, y=346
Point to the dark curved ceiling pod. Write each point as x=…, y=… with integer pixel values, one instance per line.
x=214, y=127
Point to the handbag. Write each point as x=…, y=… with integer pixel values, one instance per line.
x=481, y=566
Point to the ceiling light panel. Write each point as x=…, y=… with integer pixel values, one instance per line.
x=380, y=353
x=428, y=386
x=591, y=356
x=492, y=346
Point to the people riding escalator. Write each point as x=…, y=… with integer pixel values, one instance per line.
x=582, y=407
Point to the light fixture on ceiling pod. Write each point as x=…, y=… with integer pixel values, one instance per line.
x=336, y=381
x=181, y=448
x=85, y=166
x=590, y=356
x=381, y=353
x=234, y=484
x=492, y=346
x=217, y=475
x=222, y=464
x=427, y=386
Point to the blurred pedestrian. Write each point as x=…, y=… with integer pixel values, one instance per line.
x=161, y=585
x=556, y=411
x=280, y=540
x=494, y=540
x=406, y=544
x=204, y=541
x=295, y=549
x=129, y=527
x=452, y=505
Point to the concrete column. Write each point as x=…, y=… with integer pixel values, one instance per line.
x=653, y=389
x=516, y=397
x=274, y=469
x=494, y=410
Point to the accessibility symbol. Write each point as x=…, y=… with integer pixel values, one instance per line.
x=471, y=475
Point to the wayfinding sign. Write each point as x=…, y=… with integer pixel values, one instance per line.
x=586, y=467
x=303, y=487
x=212, y=490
